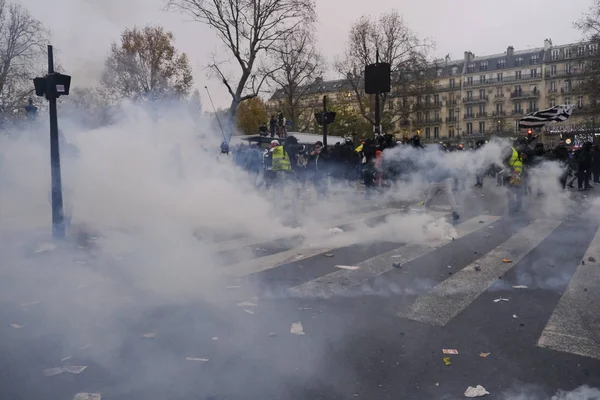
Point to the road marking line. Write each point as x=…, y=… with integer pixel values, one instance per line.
x=338, y=281
x=573, y=327
x=450, y=297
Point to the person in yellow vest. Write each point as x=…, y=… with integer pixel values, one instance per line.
x=516, y=186
x=281, y=164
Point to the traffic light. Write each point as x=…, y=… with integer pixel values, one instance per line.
x=529, y=131
x=52, y=85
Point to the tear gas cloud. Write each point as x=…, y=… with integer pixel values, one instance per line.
x=150, y=190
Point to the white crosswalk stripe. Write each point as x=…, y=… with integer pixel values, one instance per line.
x=574, y=324
x=335, y=282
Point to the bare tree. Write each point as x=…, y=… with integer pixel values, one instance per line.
x=399, y=46
x=247, y=29
x=301, y=64
x=146, y=65
x=22, y=45
x=589, y=25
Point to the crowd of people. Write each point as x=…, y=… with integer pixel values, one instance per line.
x=346, y=163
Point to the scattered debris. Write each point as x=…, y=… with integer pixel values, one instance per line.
x=397, y=265
x=328, y=254
x=81, y=262
x=215, y=338
x=246, y=304
x=515, y=316
x=487, y=236
x=500, y=299
x=484, y=355
x=519, y=287
x=65, y=359
x=397, y=256
x=447, y=361
x=506, y=261
x=304, y=308
x=477, y=268
x=355, y=395
x=272, y=334
x=449, y=266
x=260, y=249
x=53, y=371
x=233, y=287
x=591, y=259
x=582, y=262
x=74, y=369
x=450, y=351
x=437, y=384
x=491, y=226
x=197, y=359
x=297, y=328
x=336, y=230
x=348, y=267
x=16, y=326
x=482, y=222
x=478, y=391
x=249, y=311
x=149, y=335
x=87, y=346
x=87, y=396
x=45, y=247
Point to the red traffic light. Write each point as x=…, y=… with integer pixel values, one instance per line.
x=529, y=132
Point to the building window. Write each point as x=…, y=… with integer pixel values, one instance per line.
x=436, y=132
x=518, y=90
x=436, y=99
x=469, y=95
x=580, y=85
x=451, y=114
x=418, y=100
x=483, y=66
x=568, y=101
x=551, y=102
x=553, y=70
x=469, y=128
x=481, y=78
x=427, y=133
x=517, y=74
x=533, y=73
x=568, y=53
x=427, y=100
x=451, y=132
x=501, y=63
x=439, y=72
x=581, y=67
x=451, y=85
x=519, y=61
x=469, y=80
x=499, y=76
x=419, y=117
x=555, y=54
x=534, y=59
x=580, y=102
x=498, y=126
x=580, y=51
x=482, y=93
x=404, y=102
x=532, y=106
x=499, y=109
x=469, y=111
x=567, y=68
x=481, y=109
x=470, y=67
x=454, y=71
x=482, y=127
x=553, y=86
x=567, y=86
x=427, y=115
x=390, y=104
x=518, y=107
x=436, y=116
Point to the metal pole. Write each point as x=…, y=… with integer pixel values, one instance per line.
x=324, y=123
x=58, y=223
x=216, y=114
x=377, y=111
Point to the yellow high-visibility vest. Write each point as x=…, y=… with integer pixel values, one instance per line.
x=281, y=160
x=515, y=161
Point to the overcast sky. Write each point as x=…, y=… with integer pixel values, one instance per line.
x=83, y=29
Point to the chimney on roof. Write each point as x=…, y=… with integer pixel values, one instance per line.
x=447, y=59
x=547, y=44
x=510, y=51
x=469, y=56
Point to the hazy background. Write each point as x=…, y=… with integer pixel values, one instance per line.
x=482, y=27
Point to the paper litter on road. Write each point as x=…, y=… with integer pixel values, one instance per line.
x=65, y=359
x=478, y=391
x=329, y=255
x=304, y=308
x=16, y=326
x=75, y=369
x=515, y=316
x=87, y=396
x=348, y=267
x=246, y=304
x=149, y=335
x=45, y=247
x=249, y=311
x=500, y=299
x=506, y=260
x=53, y=371
x=519, y=287
x=450, y=351
x=297, y=328
x=591, y=259
x=484, y=355
x=447, y=361
x=215, y=338
x=197, y=359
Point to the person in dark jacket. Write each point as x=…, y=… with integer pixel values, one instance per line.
x=560, y=154
x=596, y=163
x=584, y=165
x=273, y=125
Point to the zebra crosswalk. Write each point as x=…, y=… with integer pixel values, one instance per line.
x=438, y=299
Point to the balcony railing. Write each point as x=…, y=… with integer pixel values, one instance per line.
x=499, y=114
x=474, y=100
x=433, y=121
x=517, y=112
x=521, y=94
x=499, y=96
x=530, y=110
x=503, y=79
x=482, y=115
x=469, y=116
x=452, y=102
x=572, y=89
x=451, y=119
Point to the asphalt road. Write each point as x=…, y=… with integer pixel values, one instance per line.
x=376, y=332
